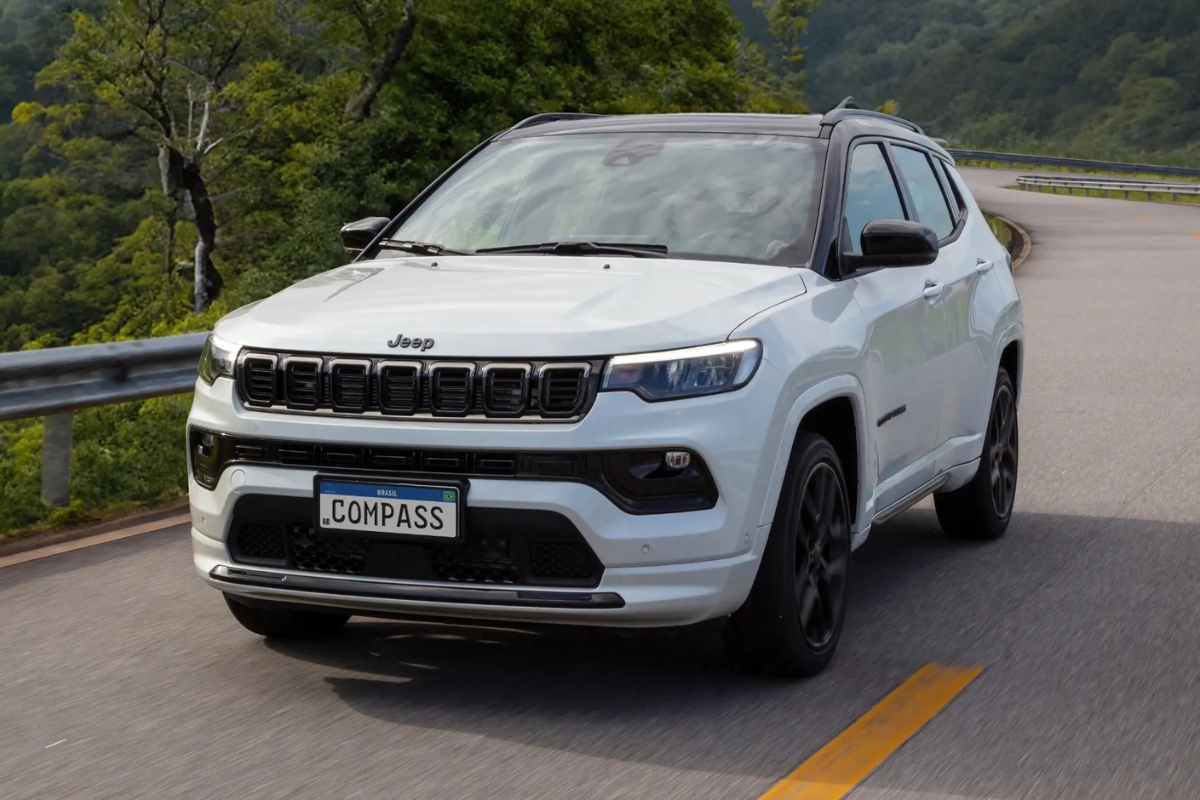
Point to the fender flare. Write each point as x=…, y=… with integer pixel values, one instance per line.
x=836, y=386
x=1013, y=333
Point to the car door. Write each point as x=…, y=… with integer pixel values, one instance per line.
x=905, y=336
x=934, y=203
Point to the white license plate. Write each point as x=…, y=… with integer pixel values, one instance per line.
x=404, y=509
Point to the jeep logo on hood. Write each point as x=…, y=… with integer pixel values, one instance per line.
x=416, y=344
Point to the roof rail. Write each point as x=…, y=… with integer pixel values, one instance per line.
x=556, y=116
x=836, y=115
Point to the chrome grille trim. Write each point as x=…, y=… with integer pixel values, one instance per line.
x=338, y=386
x=443, y=401
x=249, y=394
x=405, y=388
x=544, y=386
x=389, y=402
x=490, y=403
x=289, y=374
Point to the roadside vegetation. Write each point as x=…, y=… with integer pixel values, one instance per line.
x=163, y=162
x=1105, y=79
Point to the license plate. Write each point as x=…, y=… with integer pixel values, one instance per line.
x=427, y=511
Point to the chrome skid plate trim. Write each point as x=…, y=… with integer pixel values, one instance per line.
x=374, y=589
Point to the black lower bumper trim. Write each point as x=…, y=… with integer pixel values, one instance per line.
x=383, y=590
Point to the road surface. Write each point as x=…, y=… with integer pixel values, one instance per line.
x=123, y=677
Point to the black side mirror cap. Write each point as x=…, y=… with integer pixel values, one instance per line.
x=893, y=243
x=357, y=235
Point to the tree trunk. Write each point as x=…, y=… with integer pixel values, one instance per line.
x=207, y=280
x=170, y=168
x=359, y=107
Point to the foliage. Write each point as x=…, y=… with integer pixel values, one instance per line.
x=154, y=142
x=1115, y=79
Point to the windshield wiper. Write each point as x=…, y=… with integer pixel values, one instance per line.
x=636, y=249
x=420, y=248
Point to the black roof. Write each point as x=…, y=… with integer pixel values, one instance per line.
x=788, y=124
x=807, y=125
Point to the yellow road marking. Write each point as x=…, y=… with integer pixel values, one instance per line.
x=1144, y=217
x=834, y=770
x=1197, y=235
x=92, y=541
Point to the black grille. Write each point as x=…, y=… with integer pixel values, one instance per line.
x=259, y=542
x=483, y=559
x=350, y=385
x=563, y=390
x=504, y=390
x=539, y=389
x=312, y=552
x=258, y=379
x=399, y=388
x=302, y=382
x=450, y=389
x=559, y=560
x=500, y=546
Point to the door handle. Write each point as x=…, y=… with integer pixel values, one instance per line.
x=933, y=289
x=982, y=266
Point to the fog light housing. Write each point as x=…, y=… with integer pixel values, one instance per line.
x=657, y=481
x=205, y=454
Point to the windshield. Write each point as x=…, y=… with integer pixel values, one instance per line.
x=724, y=197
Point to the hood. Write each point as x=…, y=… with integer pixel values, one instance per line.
x=512, y=306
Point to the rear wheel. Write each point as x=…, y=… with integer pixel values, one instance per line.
x=791, y=623
x=285, y=623
x=982, y=508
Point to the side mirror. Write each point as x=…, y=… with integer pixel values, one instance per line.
x=894, y=243
x=357, y=235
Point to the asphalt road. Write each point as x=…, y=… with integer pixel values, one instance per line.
x=121, y=676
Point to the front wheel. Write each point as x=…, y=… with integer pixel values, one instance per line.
x=791, y=623
x=982, y=508
x=278, y=622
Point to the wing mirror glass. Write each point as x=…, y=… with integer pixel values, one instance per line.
x=357, y=235
x=894, y=243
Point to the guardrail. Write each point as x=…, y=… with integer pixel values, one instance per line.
x=1108, y=185
x=54, y=382
x=1072, y=163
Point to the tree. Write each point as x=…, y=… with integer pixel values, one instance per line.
x=162, y=69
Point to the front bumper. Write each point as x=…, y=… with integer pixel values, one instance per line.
x=664, y=595
x=659, y=569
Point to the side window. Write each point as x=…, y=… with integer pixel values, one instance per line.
x=956, y=204
x=925, y=189
x=958, y=187
x=871, y=194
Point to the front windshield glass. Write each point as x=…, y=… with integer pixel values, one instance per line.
x=725, y=197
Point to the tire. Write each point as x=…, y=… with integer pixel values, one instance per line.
x=981, y=509
x=285, y=623
x=790, y=624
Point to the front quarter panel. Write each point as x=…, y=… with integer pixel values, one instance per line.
x=817, y=344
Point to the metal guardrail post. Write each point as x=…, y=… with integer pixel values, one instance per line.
x=57, y=442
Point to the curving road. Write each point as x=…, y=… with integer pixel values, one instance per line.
x=121, y=676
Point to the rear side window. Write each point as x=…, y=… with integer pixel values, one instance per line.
x=925, y=189
x=871, y=194
x=957, y=210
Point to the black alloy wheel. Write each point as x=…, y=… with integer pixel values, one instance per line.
x=1002, y=450
x=983, y=507
x=822, y=555
x=790, y=624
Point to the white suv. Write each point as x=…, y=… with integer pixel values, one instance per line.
x=621, y=371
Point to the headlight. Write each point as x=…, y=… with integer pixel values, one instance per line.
x=672, y=374
x=217, y=359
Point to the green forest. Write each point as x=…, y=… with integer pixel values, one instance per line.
x=1111, y=79
x=163, y=162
